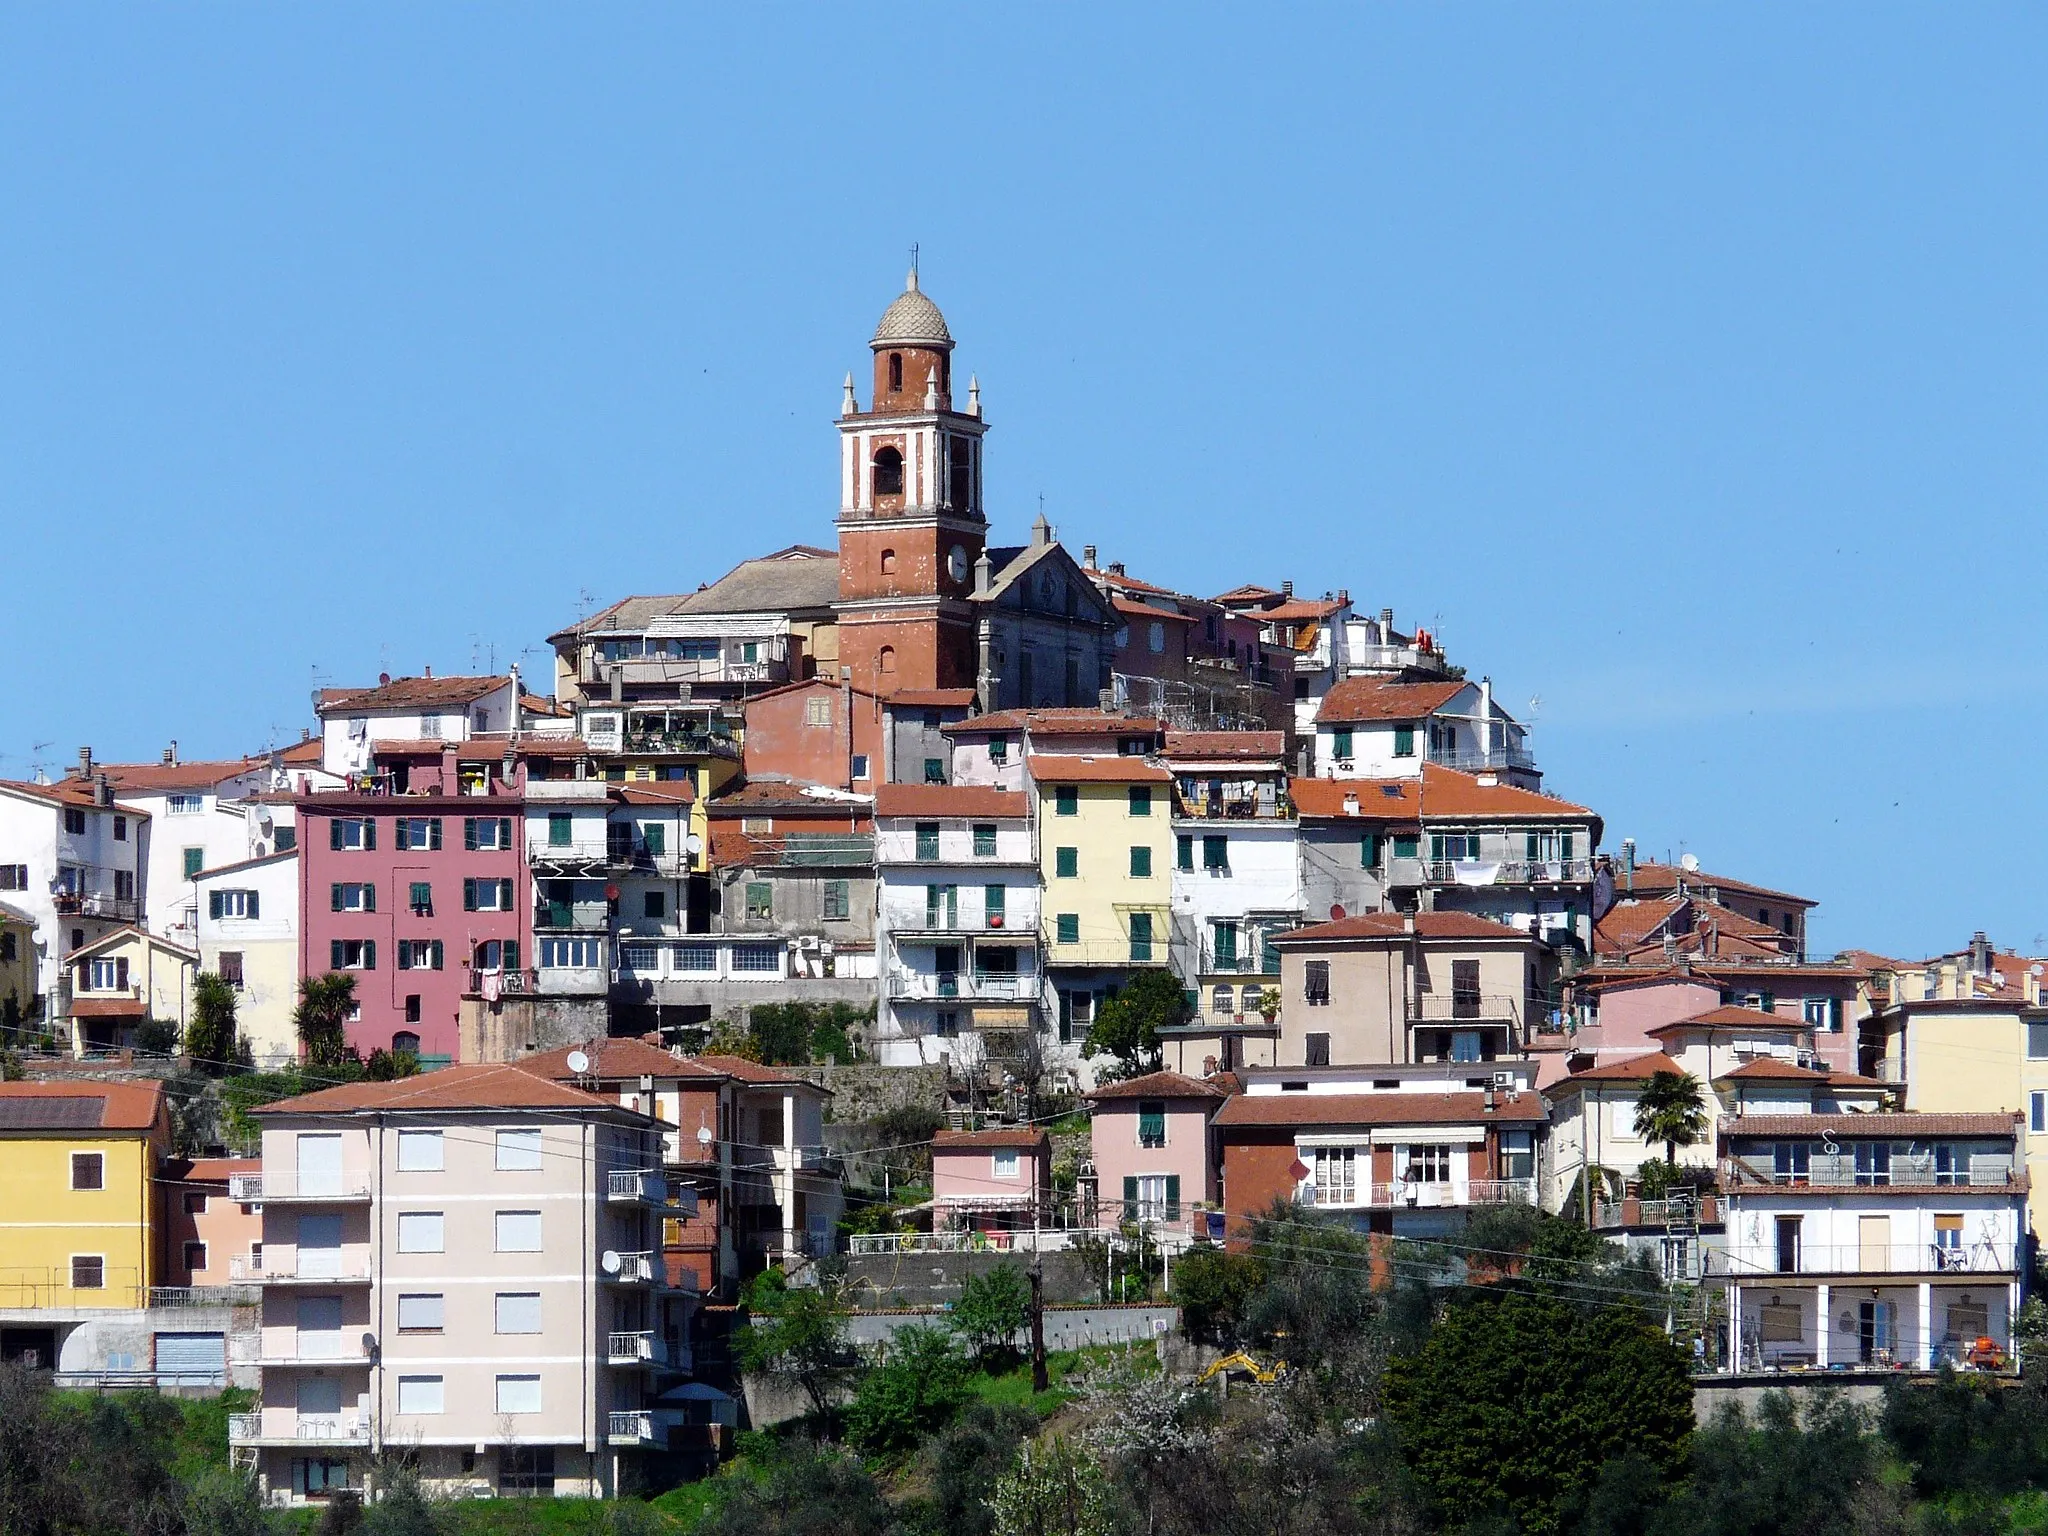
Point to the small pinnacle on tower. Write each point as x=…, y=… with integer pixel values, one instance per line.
x=974, y=394
x=849, y=406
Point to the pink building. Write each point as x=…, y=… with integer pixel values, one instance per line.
x=419, y=890
x=991, y=1181
x=1153, y=1159
x=1619, y=1008
x=210, y=1237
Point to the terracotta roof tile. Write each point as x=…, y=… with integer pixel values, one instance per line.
x=1368, y=698
x=1102, y=769
x=949, y=800
x=480, y=1086
x=1124, y=605
x=1057, y=722
x=1635, y=1069
x=1158, y=1085
x=1299, y=610
x=932, y=698
x=1283, y=1110
x=620, y=1056
x=122, y=1106
x=1447, y=792
x=150, y=778
x=1358, y=799
x=1730, y=1017
x=1020, y=1137
x=1225, y=744
x=1878, y=1123
x=1771, y=1069
x=408, y=693
x=755, y=1073
x=1652, y=878
x=1393, y=925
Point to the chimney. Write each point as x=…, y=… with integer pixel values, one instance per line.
x=1980, y=953
x=1628, y=865
x=427, y=672
x=171, y=754
x=1088, y=556
x=1116, y=567
x=103, y=791
x=1344, y=596
x=1386, y=626
x=1287, y=589
x=984, y=575
x=85, y=762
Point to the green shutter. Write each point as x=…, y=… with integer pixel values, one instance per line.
x=1130, y=1197
x=504, y=831
x=560, y=829
x=469, y=895
x=993, y=899
x=1066, y=863
x=370, y=834
x=1436, y=848
x=213, y=905
x=469, y=833
x=1069, y=928
x=1173, y=1197
x=1535, y=847
x=334, y=834
x=1340, y=744
x=1141, y=800
x=369, y=898
x=334, y=897
x=1185, y=852
x=1565, y=847
x=255, y=909
x=506, y=900
x=655, y=835
x=434, y=834
x=335, y=959
x=1066, y=801
x=369, y=954
x=1141, y=862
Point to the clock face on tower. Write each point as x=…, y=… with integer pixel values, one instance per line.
x=956, y=563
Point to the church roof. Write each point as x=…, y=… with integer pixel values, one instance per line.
x=912, y=321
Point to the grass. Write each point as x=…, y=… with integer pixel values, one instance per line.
x=1013, y=1387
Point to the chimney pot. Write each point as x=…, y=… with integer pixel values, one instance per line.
x=1088, y=556
x=1344, y=595
x=85, y=762
x=1287, y=589
x=426, y=672
x=171, y=755
x=1116, y=567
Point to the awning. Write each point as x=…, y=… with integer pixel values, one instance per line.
x=109, y=1008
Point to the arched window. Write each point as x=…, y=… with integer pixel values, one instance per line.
x=405, y=1043
x=895, y=370
x=888, y=472
x=885, y=661
x=888, y=562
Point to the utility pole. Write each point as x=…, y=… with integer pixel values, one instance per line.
x=1040, y=1380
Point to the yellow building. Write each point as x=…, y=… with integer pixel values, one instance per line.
x=117, y=981
x=78, y=1164
x=1105, y=850
x=1968, y=1033
x=18, y=962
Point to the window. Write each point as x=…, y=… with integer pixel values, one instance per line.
x=1873, y=1162
x=895, y=370
x=419, y=954
x=1406, y=844
x=420, y=1394
x=1141, y=936
x=934, y=770
x=423, y=832
x=757, y=959
x=88, y=1271
x=420, y=1314
x=760, y=900
x=233, y=904
x=1467, y=1045
x=1317, y=1047
x=2037, y=1113
x=1216, y=855
x=2037, y=1042
x=1066, y=800
x=351, y=896
x=487, y=895
x=568, y=954
x=1341, y=743
x=527, y=1469
x=195, y=1257
x=1788, y=1245
x=998, y=749
x=404, y=1042
x=518, y=1231
x=984, y=840
x=352, y=834
x=654, y=837
x=1334, y=1171
x=518, y=1151
x=1183, y=853
x=486, y=832
x=1951, y=1164
x=686, y=957
x=1141, y=862
x=195, y=1204
x=195, y=861
x=421, y=898
x=419, y=1232
x=8, y=947
x=519, y=1394
x=13, y=877
x=108, y=975
x=1066, y=863
x=1007, y=1164
x=1948, y=1237
x=927, y=842
x=1151, y=1123
x=1224, y=1000
x=1316, y=983
x=946, y=1023
x=124, y=885
x=74, y=821
x=1404, y=741
x=88, y=1170
x=654, y=903
x=412, y=1016
x=1067, y=928
x=352, y=954
x=1518, y=1154
x=184, y=805
x=419, y=1152
x=561, y=829
x=1141, y=799
x=1428, y=1165
x=518, y=1312
x=860, y=759
x=1453, y=847
x=818, y=711
x=1791, y=1162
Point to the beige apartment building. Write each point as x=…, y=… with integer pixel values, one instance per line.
x=463, y=1267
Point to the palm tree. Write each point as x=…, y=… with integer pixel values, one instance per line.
x=1671, y=1109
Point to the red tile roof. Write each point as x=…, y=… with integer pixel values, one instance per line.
x=949, y=800
x=1447, y=792
x=659, y=792
x=1904, y=1123
x=932, y=698
x=479, y=1086
x=1147, y=611
x=109, y=1008
x=408, y=693
x=1251, y=591
x=1023, y=1139
x=147, y=778
x=1393, y=925
x=1158, y=1085
x=68, y=792
x=1655, y=878
x=617, y=1057
x=1049, y=769
x=1357, y=799
x=1057, y=722
x=1769, y=1068
x=1225, y=744
x=758, y=1075
x=1730, y=1017
x=1299, y=610
x=123, y=1106
x=1282, y=1110
x=1635, y=1069
x=1368, y=698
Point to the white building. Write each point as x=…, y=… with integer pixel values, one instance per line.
x=72, y=860
x=957, y=928
x=1877, y=1241
x=247, y=926
x=429, y=708
x=1370, y=728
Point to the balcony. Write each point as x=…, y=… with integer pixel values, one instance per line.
x=635, y=1427
x=1506, y=871
x=285, y=1426
x=1475, y=1010
x=120, y=909
x=1415, y=1194
x=631, y=1268
x=812, y=850
x=635, y=1347
x=326, y=1268
x=320, y=1350
x=1232, y=808
x=1752, y=1261
x=572, y=916
x=631, y=1187
x=494, y=984
x=977, y=986
x=1493, y=759
x=295, y=1186
x=1396, y=658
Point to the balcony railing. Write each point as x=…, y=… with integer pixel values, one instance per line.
x=121, y=909
x=633, y=1269
x=1482, y=759
x=1416, y=1194
x=299, y=1186
x=812, y=850
x=503, y=983
x=635, y=1347
x=632, y=1187
x=344, y=1349
x=322, y=1428
x=1438, y=1009
x=1764, y=1261
x=558, y=915
x=631, y=1427
x=1232, y=808
x=976, y=986
x=352, y=1267
x=1524, y=871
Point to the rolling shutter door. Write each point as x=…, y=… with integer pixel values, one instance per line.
x=191, y=1359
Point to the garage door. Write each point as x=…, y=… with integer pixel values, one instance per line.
x=191, y=1360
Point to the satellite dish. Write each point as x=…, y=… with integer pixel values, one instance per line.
x=693, y=843
x=703, y=1135
x=2037, y=970
x=579, y=1062
x=612, y=1262
x=1689, y=862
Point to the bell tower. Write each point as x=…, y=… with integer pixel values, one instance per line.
x=911, y=525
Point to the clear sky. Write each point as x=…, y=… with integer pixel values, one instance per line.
x=1681, y=365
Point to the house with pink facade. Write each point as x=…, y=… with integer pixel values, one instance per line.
x=212, y=1233
x=416, y=885
x=465, y=1267
x=1617, y=1008
x=1154, y=1160
x=991, y=1181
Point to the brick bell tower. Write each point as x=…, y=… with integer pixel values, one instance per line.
x=910, y=514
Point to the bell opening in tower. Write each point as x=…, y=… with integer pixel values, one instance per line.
x=888, y=472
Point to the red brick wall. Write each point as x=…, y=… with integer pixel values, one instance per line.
x=919, y=364
x=781, y=743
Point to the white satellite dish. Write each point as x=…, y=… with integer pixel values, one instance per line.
x=1689, y=862
x=693, y=843
x=2037, y=970
x=703, y=1135
x=612, y=1262
x=579, y=1062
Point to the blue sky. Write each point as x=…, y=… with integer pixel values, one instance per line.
x=1682, y=366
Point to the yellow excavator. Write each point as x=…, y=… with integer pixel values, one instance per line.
x=1264, y=1375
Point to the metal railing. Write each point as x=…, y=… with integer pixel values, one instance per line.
x=969, y=985
x=344, y=1348
x=628, y=1185
x=811, y=850
x=1482, y=759
x=351, y=1266
x=1463, y=1008
x=572, y=914
x=332, y=1428
x=204, y=1295
x=630, y=1427
x=1762, y=1261
x=635, y=1347
x=1421, y=1194
x=123, y=909
x=275, y=1184
x=634, y=1269
x=1051, y=1240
